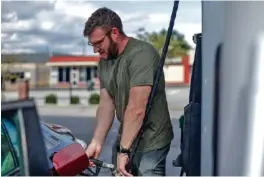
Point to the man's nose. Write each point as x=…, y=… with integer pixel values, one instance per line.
x=95, y=49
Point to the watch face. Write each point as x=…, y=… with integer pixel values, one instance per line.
x=118, y=148
x=122, y=150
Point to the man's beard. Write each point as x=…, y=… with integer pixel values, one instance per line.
x=112, y=50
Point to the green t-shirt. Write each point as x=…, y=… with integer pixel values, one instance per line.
x=136, y=66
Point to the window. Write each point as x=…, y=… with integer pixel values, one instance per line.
x=82, y=74
x=60, y=74
x=64, y=74
x=88, y=74
x=12, y=134
x=9, y=148
x=95, y=71
x=67, y=74
x=7, y=159
x=13, y=77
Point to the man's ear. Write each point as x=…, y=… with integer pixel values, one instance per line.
x=115, y=31
x=115, y=34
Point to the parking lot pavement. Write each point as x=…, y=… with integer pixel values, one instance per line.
x=85, y=111
x=80, y=111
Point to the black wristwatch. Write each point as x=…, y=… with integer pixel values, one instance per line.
x=120, y=149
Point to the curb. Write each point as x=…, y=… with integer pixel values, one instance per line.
x=66, y=106
x=172, y=108
x=88, y=111
x=176, y=108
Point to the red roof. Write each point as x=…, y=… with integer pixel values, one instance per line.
x=74, y=59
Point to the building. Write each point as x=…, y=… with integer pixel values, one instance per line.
x=64, y=71
x=78, y=71
x=15, y=67
x=177, y=71
x=74, y=71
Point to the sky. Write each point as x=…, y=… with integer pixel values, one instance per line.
x=57, y=25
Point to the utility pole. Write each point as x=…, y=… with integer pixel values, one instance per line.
x=50, y=52
x=84, y=48
x=23, y=89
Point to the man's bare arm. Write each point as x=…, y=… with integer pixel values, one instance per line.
x=105, y=115
x=135, y=114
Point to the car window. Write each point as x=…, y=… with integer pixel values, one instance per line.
x=11, y=133
x=7, y=159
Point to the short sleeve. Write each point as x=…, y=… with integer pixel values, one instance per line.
x=142, y=68
x=99, y=74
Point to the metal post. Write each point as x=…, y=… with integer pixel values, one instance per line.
x=2, y=87
x=23, y=89
x=70, y=85
x=255, y=151
x=243, y=24
x=212, y=32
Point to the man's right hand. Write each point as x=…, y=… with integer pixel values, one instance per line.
x=93, y=151
x=104, y=117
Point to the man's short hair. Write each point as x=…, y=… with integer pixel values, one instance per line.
x=105, y=18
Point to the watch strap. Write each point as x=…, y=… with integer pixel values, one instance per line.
x=120, y=149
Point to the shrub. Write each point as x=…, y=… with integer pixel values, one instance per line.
x=51, y=99
x=75, y=100
x=94, y=98
x=91, y=86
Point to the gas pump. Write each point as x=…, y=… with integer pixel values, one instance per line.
x=236, y=99
x=232, y=136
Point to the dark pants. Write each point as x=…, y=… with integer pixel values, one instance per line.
x=152, y=163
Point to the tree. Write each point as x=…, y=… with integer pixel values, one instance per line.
x=8, y=65
x=178, y=45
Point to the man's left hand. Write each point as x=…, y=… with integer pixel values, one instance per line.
x=122, y=161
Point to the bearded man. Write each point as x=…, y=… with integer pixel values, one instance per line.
x=126, y=71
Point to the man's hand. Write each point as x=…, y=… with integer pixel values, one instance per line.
x=93, y=150
x=122, y=161
x=104, y=116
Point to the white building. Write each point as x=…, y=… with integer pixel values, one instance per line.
x=75, y=71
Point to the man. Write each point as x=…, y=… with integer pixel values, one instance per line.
x=126, y=71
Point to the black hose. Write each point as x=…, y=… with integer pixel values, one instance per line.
x=157, y=78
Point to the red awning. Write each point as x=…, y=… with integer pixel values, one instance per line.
x=64, y=59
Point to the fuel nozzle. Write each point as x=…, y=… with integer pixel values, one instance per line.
x=102, y=164
x=106, y=165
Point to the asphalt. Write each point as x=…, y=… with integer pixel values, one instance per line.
x=82, y=128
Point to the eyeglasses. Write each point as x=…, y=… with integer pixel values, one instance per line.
x=99, y=42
